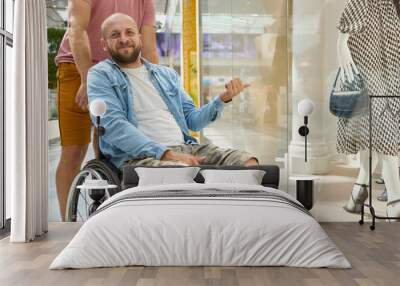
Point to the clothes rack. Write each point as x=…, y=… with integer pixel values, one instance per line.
x=370, y=205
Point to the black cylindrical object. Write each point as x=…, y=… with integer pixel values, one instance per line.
x=98, y=137
x=97, y=194
x=304, y=193
x=93, y=207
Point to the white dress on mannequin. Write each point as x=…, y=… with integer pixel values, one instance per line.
x=373, y=37
x=357, y=17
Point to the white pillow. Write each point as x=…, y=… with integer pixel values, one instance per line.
x=166, y=176
x=248, y=177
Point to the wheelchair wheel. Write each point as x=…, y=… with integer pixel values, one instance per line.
x=82, y=203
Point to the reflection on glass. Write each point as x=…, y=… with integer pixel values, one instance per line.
x=168, y=36
x=2, y=111
x=7, y=83
x=169, y=45
x=247, y=40
x=9, y=15
x=56, y=27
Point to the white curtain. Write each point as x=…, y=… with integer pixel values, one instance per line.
x=26, y=123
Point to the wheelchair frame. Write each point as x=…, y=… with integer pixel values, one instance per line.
x=99, y=168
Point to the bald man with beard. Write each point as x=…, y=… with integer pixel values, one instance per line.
x=149, y=115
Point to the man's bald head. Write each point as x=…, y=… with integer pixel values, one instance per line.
x=121, y=39
x=116, y=19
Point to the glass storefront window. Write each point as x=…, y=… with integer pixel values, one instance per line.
x=8, y=73
x=2, y=153
x=169, y=29
x=6, y=42
x=247, y=40
x=286, y=50
x=9, y=15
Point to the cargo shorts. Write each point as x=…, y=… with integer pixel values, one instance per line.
x=214, y=156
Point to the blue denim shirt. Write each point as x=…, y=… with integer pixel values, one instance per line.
x=123, y=140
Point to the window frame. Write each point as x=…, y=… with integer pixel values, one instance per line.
x=6, y=39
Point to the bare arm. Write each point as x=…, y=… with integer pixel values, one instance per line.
x=149, y=49
x=78, y=18
x=346, y=63
x=187, y=159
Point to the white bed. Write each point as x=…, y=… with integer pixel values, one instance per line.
x=222, y=225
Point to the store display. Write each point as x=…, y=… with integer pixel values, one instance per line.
x=369, y=39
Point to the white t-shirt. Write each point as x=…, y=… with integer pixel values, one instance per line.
x=154, y=118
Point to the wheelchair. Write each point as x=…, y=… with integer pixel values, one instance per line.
x=81, y=203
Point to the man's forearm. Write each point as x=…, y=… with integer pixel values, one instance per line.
x=168, y=155
x=80, y=48
x=149, y=48
x=152, y=57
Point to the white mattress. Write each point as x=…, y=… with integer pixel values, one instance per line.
x=202, y=231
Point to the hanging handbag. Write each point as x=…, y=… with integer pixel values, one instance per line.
x=349, y=99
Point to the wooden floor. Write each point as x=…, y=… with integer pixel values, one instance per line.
x=375, y=257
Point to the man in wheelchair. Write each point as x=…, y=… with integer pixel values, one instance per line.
x=149, y=115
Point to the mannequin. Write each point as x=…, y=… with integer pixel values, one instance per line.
x=363, y=50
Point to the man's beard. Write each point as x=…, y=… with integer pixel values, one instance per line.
x=125, y=58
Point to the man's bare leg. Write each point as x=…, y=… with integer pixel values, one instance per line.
x=68, y=167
